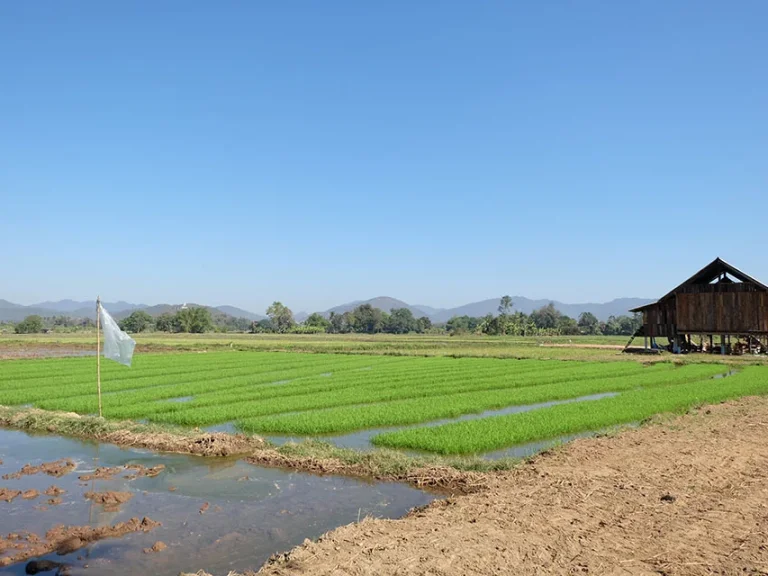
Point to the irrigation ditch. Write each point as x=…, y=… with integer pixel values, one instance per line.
x=216, y=499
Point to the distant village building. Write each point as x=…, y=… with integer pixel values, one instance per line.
x=706, y=311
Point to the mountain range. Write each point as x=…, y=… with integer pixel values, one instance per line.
x=10, y=312
x=87, y=309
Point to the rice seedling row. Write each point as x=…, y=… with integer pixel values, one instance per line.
x=493, y=433
x=427, y=408
x=327, y=396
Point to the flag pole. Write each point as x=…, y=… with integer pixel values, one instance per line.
x=98, y=349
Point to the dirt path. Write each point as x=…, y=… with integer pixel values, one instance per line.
x=689, y=496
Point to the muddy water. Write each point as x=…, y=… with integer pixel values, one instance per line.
x=361, y=440
x=252, y=513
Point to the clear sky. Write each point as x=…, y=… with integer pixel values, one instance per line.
x=320, y=152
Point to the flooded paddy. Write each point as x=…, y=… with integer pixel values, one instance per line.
x=217, y=513
x=361, y=440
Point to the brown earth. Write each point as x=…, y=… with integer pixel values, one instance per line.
x=156, y=547
x=435, y=477
x=66, y=539
x=136, y=471
x=54, y=490
x=129, y=434
x=102, y=473
x=688, y=496
x=110, y=500
x=30, y=494
x=57, y=469
x=6, y=494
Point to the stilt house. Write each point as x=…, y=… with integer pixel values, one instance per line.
x=719, y=300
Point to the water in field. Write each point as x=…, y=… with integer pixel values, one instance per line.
x=361, y=439
x=251, y=512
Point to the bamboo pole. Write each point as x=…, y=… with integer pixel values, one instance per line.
x=98, y=349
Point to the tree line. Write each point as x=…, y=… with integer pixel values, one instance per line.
x=364, y=319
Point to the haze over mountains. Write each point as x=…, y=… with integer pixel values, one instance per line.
x=87, y=309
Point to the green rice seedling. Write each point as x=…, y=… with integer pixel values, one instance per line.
x=436, y=406
x=493, y=433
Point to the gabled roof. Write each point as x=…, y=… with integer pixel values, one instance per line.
x=704, y=276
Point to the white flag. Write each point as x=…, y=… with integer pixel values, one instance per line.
x=118, y=346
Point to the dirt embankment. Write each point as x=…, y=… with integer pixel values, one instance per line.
x=66, y=539
x=129, y=433
x=433, y=477
x=686, y=497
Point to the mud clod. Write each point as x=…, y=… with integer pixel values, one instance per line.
x=7, y=494
x=54, y=490
x=57, y=469
x=204, y=508
x=30, y=494
x=156, y=547
x=69, y=545
x=668, y=498
x=110, y=500
x=102, y=473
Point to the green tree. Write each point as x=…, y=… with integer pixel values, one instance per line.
x=462, y=324
x=316, y=320
x=505, y=305
x=30, y=325
x=568, y=326
x=166, y=322
x=401, y=321
x=281, y=316
x=367, y=319
x=589, y=324
x=424, y=324
x=546, y=317
x=195, y=320
x=262, y=326
x=138, y=321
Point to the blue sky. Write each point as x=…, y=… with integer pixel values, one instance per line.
x=320, y=152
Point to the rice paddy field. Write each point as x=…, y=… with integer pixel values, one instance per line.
x=303, y=394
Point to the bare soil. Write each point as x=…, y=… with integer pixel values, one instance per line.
x=66, y=539
x=109, y=499
x=125, y=433
x=134, y=471
x=437, y=477
x=683, y=496
x=56, y=469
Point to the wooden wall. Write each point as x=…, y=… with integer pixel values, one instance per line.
x=660, y=319
x=722, y=312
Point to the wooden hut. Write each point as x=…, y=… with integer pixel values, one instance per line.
x=719, y=300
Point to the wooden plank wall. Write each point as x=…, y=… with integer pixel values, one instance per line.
x=722, y=312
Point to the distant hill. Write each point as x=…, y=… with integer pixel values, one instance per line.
x=300, y=316
x=10, y=312
x=382, y=302
x=239, y=313
x=70, y=306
